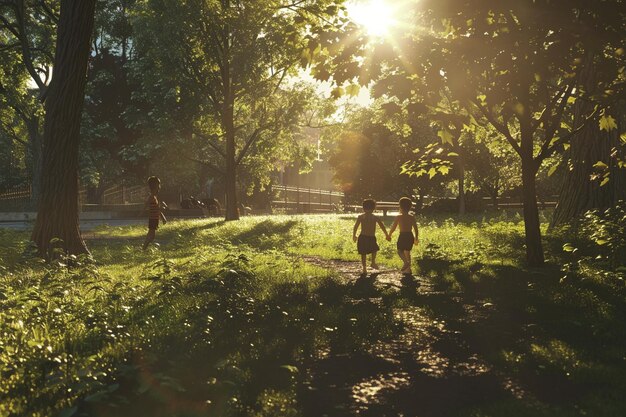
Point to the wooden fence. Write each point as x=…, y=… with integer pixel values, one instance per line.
x=306, y=200
x=19, y=198
x=15, y=198
x=119, y=194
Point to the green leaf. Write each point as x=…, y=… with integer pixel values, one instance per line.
x=600, y=165
x=337, y=92
x=446, y=137
x=607, y=123
x=552, y=169
x=353, y=90
x=623, y=137
x=292, y=369
x=601, y=242
x=431, y=173
x=568, y=247
x=604, y=182
x=444, y=169
x=450, y=154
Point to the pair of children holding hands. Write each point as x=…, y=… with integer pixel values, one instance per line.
x=366, y=241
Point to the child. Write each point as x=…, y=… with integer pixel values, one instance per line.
x=154, y=210
x=366, y=242
x=406, y=222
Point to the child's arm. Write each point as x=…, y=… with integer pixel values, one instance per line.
x=417, y=240
x=393, y=227
x=356, y=227
x=382, y=226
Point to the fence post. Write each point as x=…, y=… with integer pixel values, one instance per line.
x=321, y=201
x=285, y=191
x=297, y=199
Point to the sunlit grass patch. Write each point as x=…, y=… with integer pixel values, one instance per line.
x=243, y=305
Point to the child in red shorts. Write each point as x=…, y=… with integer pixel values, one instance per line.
x=154, y=210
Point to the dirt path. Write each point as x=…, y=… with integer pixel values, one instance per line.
x=428, y=369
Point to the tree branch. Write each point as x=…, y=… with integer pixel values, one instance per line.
x=209, y=140
x=249, y=142
x=9, y=130
x=48, y=12
x=547, y=150
x=502, y=128
x=207, y=164
x=20, y=14
x=556, y=118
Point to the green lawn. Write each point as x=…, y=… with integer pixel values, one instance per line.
x=234, y=319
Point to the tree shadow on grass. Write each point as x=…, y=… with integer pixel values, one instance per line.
x=268, y=234
x=347, y=348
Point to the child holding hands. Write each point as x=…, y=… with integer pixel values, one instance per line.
x=366, y=241
x=406, y=222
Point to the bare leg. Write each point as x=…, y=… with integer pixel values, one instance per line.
x=364, y=263
x=405, y=264
x=149, y=238
x=407, y=257
x=374, y=265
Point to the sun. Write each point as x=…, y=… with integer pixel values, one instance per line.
x=375, y=16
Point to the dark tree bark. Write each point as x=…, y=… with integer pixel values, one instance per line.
x=228, y=124
x=58, y=206
x=579, y=193
x=232, y=212
x=530, y=165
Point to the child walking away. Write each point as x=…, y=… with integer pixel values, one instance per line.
x=154, y=210
x=366, y=242
x=405, y=222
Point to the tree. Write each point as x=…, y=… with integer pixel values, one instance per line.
x=514, y=66
x=595, y=177
x=58, y=208
x=26, y=53
x=229, y=59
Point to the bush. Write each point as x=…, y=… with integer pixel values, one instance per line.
x=607, y=231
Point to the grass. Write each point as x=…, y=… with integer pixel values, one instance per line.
x=230, y=319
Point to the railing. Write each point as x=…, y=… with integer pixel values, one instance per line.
x=306, y=200
x=119, y=194
x=15, y=198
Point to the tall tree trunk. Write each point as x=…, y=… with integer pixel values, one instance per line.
x=232, y=213
x=578, y=192
x=228, y=124
x=534, y=248
x=58, y=207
